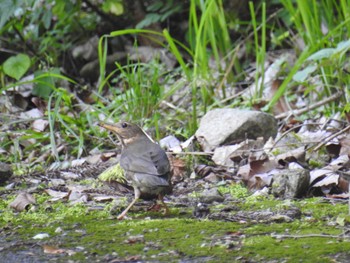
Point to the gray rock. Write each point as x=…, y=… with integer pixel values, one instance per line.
x=222, y=154
x=201, y=210
x=170, y=143
x=211, y=195
x=229, y=126
x=57, y=182
x=290, y=183
x=5, y=172
x=228, y=154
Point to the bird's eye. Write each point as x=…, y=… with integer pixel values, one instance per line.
x=124, y=125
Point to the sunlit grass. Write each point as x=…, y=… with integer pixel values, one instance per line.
x=208, y=68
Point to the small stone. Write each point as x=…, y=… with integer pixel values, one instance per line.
x=135, y=239
x=57, y=182
x=58, y=230
x=290, y=183
x=222, y=155
x=212, y=178
x=201, y=210
x=209, y=196
x=281, y=218
x=5, y=172
x=10, y=186
x=41, y=236
x=170, y=143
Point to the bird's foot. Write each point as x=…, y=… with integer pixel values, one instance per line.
x=155, y=207
x=121, y=216
x=158, y=207
x=166, y=210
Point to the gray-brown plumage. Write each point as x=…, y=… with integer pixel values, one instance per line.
x=145, y=163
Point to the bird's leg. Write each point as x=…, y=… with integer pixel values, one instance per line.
x=137, y=196
x=166, y=209
x=154, y=207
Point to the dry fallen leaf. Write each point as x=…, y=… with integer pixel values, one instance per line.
x=57, y=195
x=345, y=145
x=103, y=198
x=262, y=166
x=226, y=155
x=282, y=104
x=327, y=175
x=135, y=239
x=331, y=178
x=179, y=169
x=296, y=155
x=319, y=174
x=134, y=258
x=40, y=125
x=341, y=162
x=55, y=250
x=22, y=202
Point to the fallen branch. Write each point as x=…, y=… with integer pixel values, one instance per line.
x=280, y=236
x=311, y=107
x=191, y=153
x=331, y=138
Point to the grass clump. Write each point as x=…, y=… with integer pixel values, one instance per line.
x=238, y=191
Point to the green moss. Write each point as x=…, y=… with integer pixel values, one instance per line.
x=169, y=239
x=313, y=249
x=235, y=190
x=316, y=163
x=114, y=172
x=41, y=212
x=185, y=236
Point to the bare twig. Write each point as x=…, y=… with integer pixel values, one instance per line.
x=331, y=138
x=172, y=106
x=191, y=153
x=309, y=235
x=311, y=107
x=4, y=50
x=233, y=96
x=295, y=127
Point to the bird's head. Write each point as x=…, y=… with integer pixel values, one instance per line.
x=126, y=131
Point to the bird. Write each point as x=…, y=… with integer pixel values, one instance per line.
x=145, y=163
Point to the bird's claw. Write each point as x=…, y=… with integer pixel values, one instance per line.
x=157, y=207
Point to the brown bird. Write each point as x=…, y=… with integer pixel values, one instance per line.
x=145, y=163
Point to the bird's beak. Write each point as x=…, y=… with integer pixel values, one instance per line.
x=109, y=126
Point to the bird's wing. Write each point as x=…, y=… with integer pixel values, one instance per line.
x=150, y=159
x=150, y=181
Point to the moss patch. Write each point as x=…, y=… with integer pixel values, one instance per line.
x=96, y=235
